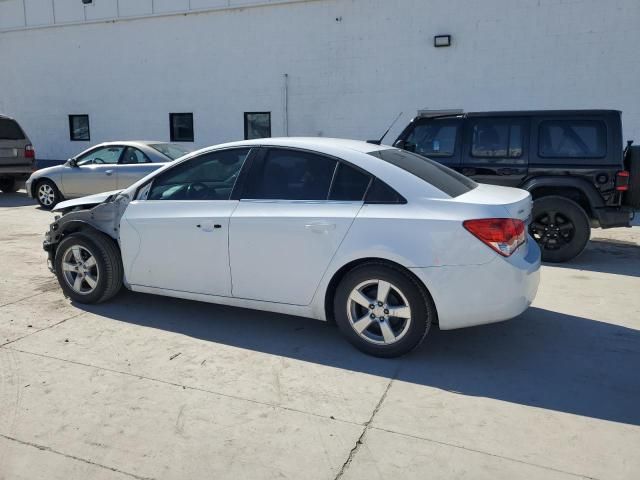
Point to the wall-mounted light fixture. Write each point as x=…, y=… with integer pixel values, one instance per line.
x=442, y=41
x=87, y=2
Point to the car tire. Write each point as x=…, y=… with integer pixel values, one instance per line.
x=561, y=227
x=9, y=185
x=47, y=194
x=89, y=267
x=376, y=331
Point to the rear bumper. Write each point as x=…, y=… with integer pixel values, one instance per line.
x=611, y=217
x=479, y=294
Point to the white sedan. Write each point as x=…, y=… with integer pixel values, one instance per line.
x=382, y=241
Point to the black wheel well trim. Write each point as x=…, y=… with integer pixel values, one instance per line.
x=581, y=185
x=37, y=182
x=337, y=277
x=79, y=226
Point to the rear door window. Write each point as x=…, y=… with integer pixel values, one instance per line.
x=496, y=138
x=283, y=174
x=133, y=156
x=572, y=139
x=349, y=184
x=10, y=130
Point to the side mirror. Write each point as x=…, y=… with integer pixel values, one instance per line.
x=73, y=162
x=400, y=144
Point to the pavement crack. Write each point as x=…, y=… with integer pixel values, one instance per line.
x=41, y=329
x=367, y=424
x=73, y=457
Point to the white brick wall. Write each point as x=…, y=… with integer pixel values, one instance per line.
x=352, y=64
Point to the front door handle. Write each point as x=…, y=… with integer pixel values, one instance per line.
x=208, y=227
x=320, y=227
x=108, y=172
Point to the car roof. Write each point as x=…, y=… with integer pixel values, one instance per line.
x=318, y=144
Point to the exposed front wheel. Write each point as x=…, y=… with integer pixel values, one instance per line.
x=561, y=228
x=47, y=194
x=89, y=267
x=382, y=310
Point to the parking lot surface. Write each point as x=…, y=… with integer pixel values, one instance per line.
x=150, y=387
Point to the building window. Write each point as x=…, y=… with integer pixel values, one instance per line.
x=79, y=128
x=257, y=125
x=181, y=126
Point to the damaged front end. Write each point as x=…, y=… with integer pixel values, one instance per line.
x=88, y=214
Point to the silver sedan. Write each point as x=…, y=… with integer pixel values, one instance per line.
x=101, y=168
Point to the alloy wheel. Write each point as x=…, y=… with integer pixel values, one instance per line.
x=552, y=230
x=80, y=270
x=46, y=194
x=379, y=312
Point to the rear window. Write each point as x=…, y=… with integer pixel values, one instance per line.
x=444, y=179
x=9, y=130
x=572, y=139
x=171, y=150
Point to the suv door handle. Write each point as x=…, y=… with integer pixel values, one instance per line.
x=108, y=172
x=320, y=227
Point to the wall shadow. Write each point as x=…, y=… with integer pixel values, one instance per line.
x=541, y=359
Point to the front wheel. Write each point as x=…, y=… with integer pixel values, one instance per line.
x=561, y=228
x=47, y=194
x=382, y=310
x=89, y=267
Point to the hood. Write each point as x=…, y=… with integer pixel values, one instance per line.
x=85, y=201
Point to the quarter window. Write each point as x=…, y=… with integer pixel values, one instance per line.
x=496, y=139
x=79, y=128
x=572, y=139
x=257, y=125
x=349, y=184
x=101, y=156
x=181, y=127
x=433, y=138
x=210, y=176
x=133, y=155
x=290, y=175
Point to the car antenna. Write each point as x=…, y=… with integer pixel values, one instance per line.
x=378, y=142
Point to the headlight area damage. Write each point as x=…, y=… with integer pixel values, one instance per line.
x=77, y=217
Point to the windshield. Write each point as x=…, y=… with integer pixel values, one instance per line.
x=443, y=178
x=171, y=150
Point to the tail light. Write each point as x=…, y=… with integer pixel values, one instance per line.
x=504, y=235
x=29, y=152
x=622, y=181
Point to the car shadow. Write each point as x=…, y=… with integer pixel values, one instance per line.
x=607, y=256
x=18, y=199
x=541, y=359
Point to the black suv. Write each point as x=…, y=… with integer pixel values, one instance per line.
x=573, y=163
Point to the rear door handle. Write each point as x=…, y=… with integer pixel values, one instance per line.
x=320, y=227
x=208, y=227
x=108, y=172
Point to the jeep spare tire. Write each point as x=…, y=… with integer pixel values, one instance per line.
x=632, y=195
x=561, y=228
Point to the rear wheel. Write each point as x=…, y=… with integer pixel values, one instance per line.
x=382, y=310
x=9, y=185
x=47, y=194
x=561, y=227
x=89, y=267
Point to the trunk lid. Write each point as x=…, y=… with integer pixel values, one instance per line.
x=516, y=202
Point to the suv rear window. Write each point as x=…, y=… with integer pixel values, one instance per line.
x=9, y=130
x=572, y=139
x=444, y=179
